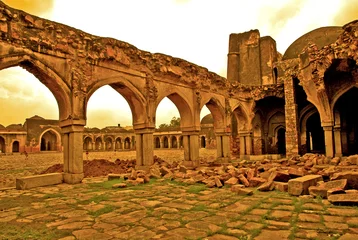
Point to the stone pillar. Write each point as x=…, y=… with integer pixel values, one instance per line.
x=223, y=147
x=144, y=148
x=291, y=117
x=219, y=147
x=191, y=149
x=242, y=146
x=248, y=143
x=337, y=142
x=161, y=142
x=178, y=141
x=72, y=150
x=328, y=140
x=169, y=142
x=266, y=142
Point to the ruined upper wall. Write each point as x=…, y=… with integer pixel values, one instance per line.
x=251, y=58
x=27, y=31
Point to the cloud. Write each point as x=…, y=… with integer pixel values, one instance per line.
x=35, y=7
x=347, y=12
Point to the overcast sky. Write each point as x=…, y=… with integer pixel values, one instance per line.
x=195, y=30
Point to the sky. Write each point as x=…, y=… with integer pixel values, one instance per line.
x=195, y=30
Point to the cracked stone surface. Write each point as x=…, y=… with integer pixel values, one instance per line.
x=168, y=210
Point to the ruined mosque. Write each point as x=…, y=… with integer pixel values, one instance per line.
x=270, y=104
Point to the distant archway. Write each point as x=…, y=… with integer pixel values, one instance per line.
x=165, y=142
x=281, y=141
x=314, y=134
x=157, y=142
x=174, y=142
x=202, y=142
x=118, y=143
x=87, y=144
x=127, y=143
x=98, y=144
x=15, y=146
x=50, y=140
x=181, y=144
x=2, y=145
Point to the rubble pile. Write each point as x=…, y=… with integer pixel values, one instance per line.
x=312, y=174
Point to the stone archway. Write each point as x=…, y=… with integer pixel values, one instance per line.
x=108, y=143
x=15, y=146
x=118, y=143
x=281, y=140
x=99, y=144
x=2, y=145
x=165, y=142
x=348, y=121
x=50, y=140
x=174, y=142
x=314, y=134
x=157, y=142
x=202, y=142
x=87, y=144
x=127, y=143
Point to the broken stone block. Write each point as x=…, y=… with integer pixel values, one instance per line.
x=243, y=180
x=352, y=178
x=164, y=170
x=242, y=191
x=231, y=181
x=296, y=172
x=210, y=183
x=236, y=187
x=267, y=186
x=322, y=189
x=335, y=160
x=218, y=182
x=299, y=186
x=350, y=191
x=280, y=176
x=139, y=180
x=154, y=171
x=335, y=191
x=344, y=199
x=119, y=185
x=113, y=176
x=353, y=159
x=281, y=186
x=256, y=181
x=251, y=173
x=38, y=181
x=182, y=169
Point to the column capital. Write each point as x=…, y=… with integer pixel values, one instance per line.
x=72, y=122
x=327, y=128
x=144, y=130
x=327, y=124
x=190, y=133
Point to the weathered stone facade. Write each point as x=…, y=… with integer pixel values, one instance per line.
x=268, y=104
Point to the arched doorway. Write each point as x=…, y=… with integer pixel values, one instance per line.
x=174, y=142
x=15, y=146
x=118, y=143
x=202, y=142
x=281, y=141
x=349, y=121
x=2, y=145
x=157, y=142
x=87, y=144
x=50, y=140
x=127, y=143
x=98, y=144
x=165, y=142
x=181, y=142
x=314, y=134
x=109, y=144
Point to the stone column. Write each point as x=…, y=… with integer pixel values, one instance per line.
x=219, y=148
x=242, y=146
x=291, y=117
x=161, y=142
x=248, y=143
x=223, y=147
x=337, y=141
x=72, y=150
x=191, y=149
x=328, y=140
x=178, y=142
x=144, y=148
x=169, y=142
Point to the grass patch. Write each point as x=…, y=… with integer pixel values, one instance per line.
x=199, y=207
x=95, y=199
x=20, y=201
x=16, y=230
x=196, y=188
x=106, y=184
x=54, y=195
x=106, y=209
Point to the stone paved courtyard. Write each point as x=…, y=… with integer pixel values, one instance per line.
x=165, y=209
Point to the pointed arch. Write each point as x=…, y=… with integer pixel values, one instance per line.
x=50, y=140
x=46, y=75
x=130, y=93
x=217, y=111
x=183, y=106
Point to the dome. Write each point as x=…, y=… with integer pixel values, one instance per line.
x=2, y=127
x=321, y=37
x=17, y=127
x=208, y=119
x=37, y=117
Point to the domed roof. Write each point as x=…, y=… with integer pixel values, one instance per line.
x=208, y=119
x=37, y=117
x=321, y=37
x=17, y=127
x=2, y=127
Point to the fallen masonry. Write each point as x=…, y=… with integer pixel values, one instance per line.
x=336, y=181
